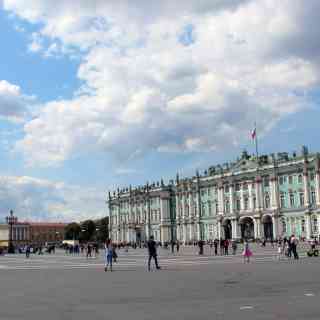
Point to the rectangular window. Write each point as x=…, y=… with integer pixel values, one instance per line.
x=282, y=201
x=209, y=191
x=237, y=187
x=246, y=203
x=254, y=200
x=291, y=200
x=217, y=207
x=313, y=197
x=300, y=178
x=226, y=189
x=245, y=186
x=266, y=182
x=290, y=180
x=238, y=204
x=281, y=180
x=301, y=199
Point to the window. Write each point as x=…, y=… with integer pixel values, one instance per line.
x=301, y=199
x=203, y=210
x=315, y=224
x=303, y=225
x=209, y=191
x=246, y=203
x=245, y=186
x=226, y=189
x=266, y=182
x=300, y=178
x=282, y=200
x=291, y=200
x=237, y=187
x=227, y=206
x=209, y=208
x=238, y=204
x=281, y=180
x=312, y=176
x=202, y=192
x=290, y=180
x=254, y=200
x=313, y=196
x=284, y=226
x=217, y=207
x=267, y=201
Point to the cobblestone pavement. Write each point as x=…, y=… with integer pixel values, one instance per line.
x=188, y=287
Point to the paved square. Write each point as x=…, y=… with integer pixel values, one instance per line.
x=187, y=287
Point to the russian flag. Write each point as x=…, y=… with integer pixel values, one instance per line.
x=253, y=133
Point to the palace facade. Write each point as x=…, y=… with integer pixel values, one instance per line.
x=267, y=197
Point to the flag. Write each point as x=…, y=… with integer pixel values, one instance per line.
x=253, y=133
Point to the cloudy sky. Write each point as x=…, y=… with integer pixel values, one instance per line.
x=98, y=94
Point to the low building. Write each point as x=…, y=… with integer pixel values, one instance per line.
x=267, y=197
x=42, y=232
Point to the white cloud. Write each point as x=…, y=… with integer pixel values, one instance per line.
x=38, y=199
x=13, y=104
x=144, y=89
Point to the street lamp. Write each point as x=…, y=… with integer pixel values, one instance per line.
x=11, y=220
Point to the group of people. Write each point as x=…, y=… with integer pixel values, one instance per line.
x=288, y=247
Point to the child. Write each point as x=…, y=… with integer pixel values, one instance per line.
x=246, y=252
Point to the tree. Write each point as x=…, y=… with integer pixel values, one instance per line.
x=72, y=231
x=88, y=229
x=103, y=232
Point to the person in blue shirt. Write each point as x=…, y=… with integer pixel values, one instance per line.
x=108, y=248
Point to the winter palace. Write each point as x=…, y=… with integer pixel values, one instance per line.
x=268, y=197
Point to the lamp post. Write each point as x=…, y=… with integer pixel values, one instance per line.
x=11, y=220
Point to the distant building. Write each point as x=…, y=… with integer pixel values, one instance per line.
x=41, y=232
x=31, y=232
x=270, y=197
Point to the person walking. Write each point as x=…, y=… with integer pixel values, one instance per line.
x=172, y=246
x=294, y=244
x=234, y=247
x=215, y=243
x=108, y=254
x=279, y=249
x=28, y=250
x=152, y=250
x=246, y=252
x=226, y=247
x=178, y=245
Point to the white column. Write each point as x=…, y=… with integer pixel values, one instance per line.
x=308, y=226
x=184, y=226
x=257, y=227
x=273, y=193
x=318, y=188
x=250, y=196
x=221, y=199
x=241, y=198
x=231, y=199
x=275, y=226
x=235, y=234
x=306, y=190
x=219, y=230
x=259, y=194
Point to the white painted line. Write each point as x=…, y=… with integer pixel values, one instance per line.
x=246, y=308
x=309, y=294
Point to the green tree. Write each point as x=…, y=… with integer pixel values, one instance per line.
x=72, y=231
x=103, y=232
x=88, y=229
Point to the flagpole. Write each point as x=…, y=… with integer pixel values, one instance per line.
x=256, y=142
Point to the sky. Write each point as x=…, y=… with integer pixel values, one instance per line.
x=100, y=94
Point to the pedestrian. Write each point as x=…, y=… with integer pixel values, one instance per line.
x=178, y=246
x=89, y=251
x=211, y=246
x=246, y=252
x=108, y=254
x=294, y=244
x=200, y=244
x=28, y=250
x=226, y=247
x=215, y=243
x=221, y=247
x=152, y=251
x=234, y=247
x=172, y=246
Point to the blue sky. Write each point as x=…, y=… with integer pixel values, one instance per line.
x=95, y=95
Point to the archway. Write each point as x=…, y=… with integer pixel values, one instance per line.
x=247, y=228
x=227, y=229
x=267, y=227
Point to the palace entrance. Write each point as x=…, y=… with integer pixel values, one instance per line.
x=247, y=228
x=267, y=227
x=227, y=227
